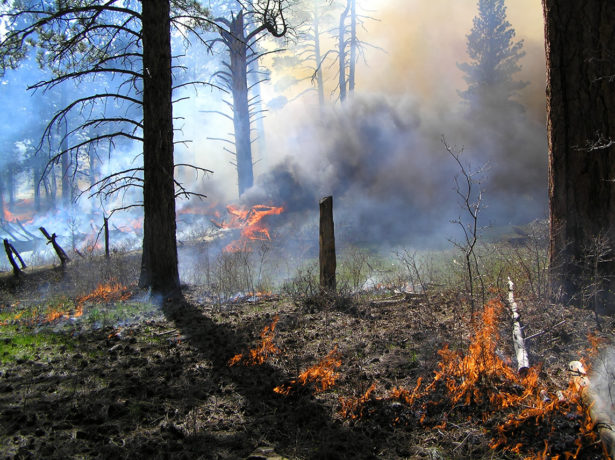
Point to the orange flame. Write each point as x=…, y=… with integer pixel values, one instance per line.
x=249, y=221
x=111, y=292
x=353, y=407
x=262, y=352
x=322, y=375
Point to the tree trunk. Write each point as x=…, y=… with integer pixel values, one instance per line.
x=159, y=260
x=241, y=109
x=342, y=52
x=10, y=182
x=318, y=56
x=581, y=130
x=37, y=187
x=353, y=46
x=65, y=166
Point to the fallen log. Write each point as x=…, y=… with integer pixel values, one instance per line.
x=523, y=361
x=59, y=251
x=592, y=395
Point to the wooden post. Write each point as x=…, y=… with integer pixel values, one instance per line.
x=59, y=251
x=327, y=245
x=9, y=253
x=106, y=237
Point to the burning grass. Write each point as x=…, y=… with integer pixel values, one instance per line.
x=265, y=349
x=322, y=375
x=523, y=414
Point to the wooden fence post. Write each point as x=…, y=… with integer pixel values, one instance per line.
x=327, y=245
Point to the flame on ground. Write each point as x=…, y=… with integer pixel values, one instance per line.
x=322, y=375
x=265, y=350
x=249, y=221
x=518, y=407
x=110, y=292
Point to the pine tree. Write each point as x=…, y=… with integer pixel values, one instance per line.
x=494, y=57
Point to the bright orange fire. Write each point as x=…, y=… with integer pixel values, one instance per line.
x=519, y=407
x=111, y=292
x=322, y=375
x=249, y=221
x=263, y=351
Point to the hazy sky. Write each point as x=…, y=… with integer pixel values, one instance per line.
x=424, y=40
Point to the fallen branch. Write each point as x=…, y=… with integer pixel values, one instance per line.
x=523, y=362
x=544, y=331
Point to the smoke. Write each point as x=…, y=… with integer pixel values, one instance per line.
x=393, y=182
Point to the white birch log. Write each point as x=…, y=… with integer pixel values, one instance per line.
x=523, y=362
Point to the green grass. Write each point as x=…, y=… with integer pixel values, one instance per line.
x=17, y=344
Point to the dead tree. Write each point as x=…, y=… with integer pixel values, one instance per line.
x=243, y=52
x=349, y=46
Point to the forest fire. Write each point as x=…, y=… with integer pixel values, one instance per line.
x=250, y=222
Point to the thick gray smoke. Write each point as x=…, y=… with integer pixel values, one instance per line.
x=391, y=177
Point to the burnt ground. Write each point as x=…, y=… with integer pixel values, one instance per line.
x=160, y=386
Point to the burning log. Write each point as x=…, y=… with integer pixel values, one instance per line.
x=523, y=362
x=59, y=251
x=327, y=245
x=10, y=250
x=598, y=411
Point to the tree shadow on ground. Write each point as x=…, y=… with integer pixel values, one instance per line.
x=297, y=426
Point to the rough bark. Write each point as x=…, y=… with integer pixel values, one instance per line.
x=159, y=260
x=327, y=245
x=581, y=127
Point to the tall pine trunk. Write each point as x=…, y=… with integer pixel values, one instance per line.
x=241, y=108
x=159, y=261
x=580, y=39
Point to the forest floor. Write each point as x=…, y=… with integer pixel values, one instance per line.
x=110, y=378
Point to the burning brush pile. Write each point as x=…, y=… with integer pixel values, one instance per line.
x=476, y=390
